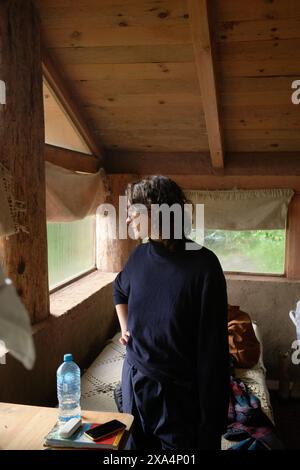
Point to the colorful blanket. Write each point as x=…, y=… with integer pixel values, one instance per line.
x=247, y=422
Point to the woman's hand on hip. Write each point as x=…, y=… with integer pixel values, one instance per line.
x=125, y=337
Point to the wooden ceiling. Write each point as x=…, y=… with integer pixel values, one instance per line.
x=160, y=76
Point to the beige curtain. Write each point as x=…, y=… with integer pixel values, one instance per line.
x=235, y=209
x=71, y=195
x=12, y=211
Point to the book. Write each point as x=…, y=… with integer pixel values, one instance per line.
x=80, y=441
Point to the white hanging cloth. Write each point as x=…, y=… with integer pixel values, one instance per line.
x=15, y=328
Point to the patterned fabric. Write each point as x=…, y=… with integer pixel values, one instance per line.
x=248, y=424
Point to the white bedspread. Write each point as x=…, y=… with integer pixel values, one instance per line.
x=100, y=379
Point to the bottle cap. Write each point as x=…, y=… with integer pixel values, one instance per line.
x=68, y=357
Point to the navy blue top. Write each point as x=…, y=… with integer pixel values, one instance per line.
x=177, y=320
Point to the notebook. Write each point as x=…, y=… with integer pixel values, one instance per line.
x=80, y=441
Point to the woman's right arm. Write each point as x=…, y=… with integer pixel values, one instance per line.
x=121, y=290
x=122, y=312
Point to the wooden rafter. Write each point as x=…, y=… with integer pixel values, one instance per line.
x=65, y=99
x=200, y=27
x=198, y=163
x=71, y=160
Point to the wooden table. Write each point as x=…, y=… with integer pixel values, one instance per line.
x=24, y=427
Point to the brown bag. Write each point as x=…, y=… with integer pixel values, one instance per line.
x=244, y=347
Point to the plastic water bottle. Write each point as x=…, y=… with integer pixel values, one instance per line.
x=68, y=389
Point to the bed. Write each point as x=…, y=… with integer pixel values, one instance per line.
x=100, y=379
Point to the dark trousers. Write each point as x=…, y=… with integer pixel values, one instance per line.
x=165, y=414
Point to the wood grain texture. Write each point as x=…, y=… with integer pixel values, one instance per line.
x=152, y=117
x=292, y=239
x=113, y=12
x=22, y=152
x=235, y=10
x=275, y=140
x=113, y=253
x=125, y=54
x=258, y=30
x=91, y=89
x=151, y=71
x=59, y=128
x=118, y=36
x=65, y=98
x=75, y=161
x=134, y=69
x=189, y=163
x=25, y=427
x=184, y=140
x=204, y=59
x=261, y=117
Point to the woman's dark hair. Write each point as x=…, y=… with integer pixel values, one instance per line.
x=160, y=190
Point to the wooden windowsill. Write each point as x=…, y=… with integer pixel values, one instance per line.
x=257, y=277
x=65, y=299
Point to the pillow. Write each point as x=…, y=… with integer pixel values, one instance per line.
x=244, y=346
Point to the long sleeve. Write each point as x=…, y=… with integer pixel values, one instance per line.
x=213, y=356
x=121, y=288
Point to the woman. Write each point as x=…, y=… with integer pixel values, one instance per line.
x=172, y=308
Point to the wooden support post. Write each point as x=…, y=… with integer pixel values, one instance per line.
x=24, y=255
x=112, y=254
x=293, y=237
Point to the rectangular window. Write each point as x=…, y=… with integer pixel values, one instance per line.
x=248, y=251
x=71, y=250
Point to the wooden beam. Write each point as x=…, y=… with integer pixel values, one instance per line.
x=198, y=163
x=112, y=253
x=292, y=239
x=204, y=59
x=24, y=255
x=158, y=162
x=71, y=160
x=65, y=99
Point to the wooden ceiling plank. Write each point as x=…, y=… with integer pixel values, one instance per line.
x=118, y=35
x=257, y=117
x=96, y=88
x=276, y=49
x=131, y=100
x=127, y=13
x=156, y=118
x=261, y=68
x=66, y=101
x=124, y=54
x=147, y=140
x=234, y=11
x=203, y=47
x=258, y=30
x=149, y=71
